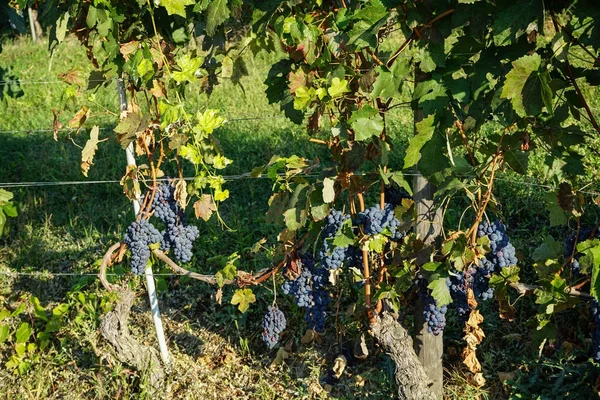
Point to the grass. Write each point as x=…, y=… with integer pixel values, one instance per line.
x=217, y=352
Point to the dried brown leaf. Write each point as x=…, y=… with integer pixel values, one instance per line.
x=205, y=207
x=181, y=193
x=339, y=365
x=79, y=118
x=88, y=152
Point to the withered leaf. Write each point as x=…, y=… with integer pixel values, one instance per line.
x=88, y=152
x=205, y=207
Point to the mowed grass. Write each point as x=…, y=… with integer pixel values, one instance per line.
x=217, y=351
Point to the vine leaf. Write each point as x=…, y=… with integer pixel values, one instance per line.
x=88, y=152
x=388, y=81
x=205, y=207
x=79, y=118
x=512, y=22
x=217, y=12
x=527, y=88
x=243, y=298
x=425, y=129
x=366, y=123
x=129, y=127
x=439, y=290
x=176, y=7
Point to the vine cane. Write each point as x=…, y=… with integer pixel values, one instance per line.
x=160, y=333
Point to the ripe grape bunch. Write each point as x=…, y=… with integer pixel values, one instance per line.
x=273, y=324
x=375, y=220
x=502, y=254
x=434, y=316
x=332, y=257
x=139, y=236
x=308, y=290
x=178, y=236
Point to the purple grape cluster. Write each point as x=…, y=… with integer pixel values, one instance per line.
x=138, y=238
x=273, y=324
x=375, y=220
x=308, y=290
x=394, y=194
x=178, y=236
x=434, y=316
x=502, y=254
x=332, y=257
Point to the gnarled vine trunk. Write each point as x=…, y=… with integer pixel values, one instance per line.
x=129, y=351
x=411, y=378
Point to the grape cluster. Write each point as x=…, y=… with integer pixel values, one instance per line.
x=178, y=236
x=273, y=324
x=308, y=290
x=502, y=254
x=332, y=257
x=375, y=220
x=434, y=316
x=458, y=290
x=394, y=194
x=139, y=236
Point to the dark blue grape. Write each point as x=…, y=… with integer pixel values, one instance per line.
x=375, y=220
x=273, y=324
x=434, y=316
x=502, y=254
x=309, y=292
x=394, y=195
x=139, y=236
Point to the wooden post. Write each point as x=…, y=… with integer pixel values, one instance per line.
x=429, y=348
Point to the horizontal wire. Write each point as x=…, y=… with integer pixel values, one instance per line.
x=74, y=183
x=49, y=274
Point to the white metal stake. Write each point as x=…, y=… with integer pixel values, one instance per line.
x=160, y=333
x=32, y=25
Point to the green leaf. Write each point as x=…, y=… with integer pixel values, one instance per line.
x=511, y=22
x=4, y=332
x=61, y=27
x=39, y=311
x=217, y=12
x=549, y=250
x=439, y=290
x=338, y=87
x=187, y=68
x=345, y=236
x=527, y=89
x=431, y=266
x=366, y=123
x=304, y=96
x=557, y=216
x=388, y=82
x=23, y=333
x=377, y=243
x=176, y=7
x=243, y=298
x=431, y=57
x=398, y=177
x=5, y=196
x=425, y=129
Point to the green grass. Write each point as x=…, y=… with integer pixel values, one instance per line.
x=217, y=351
